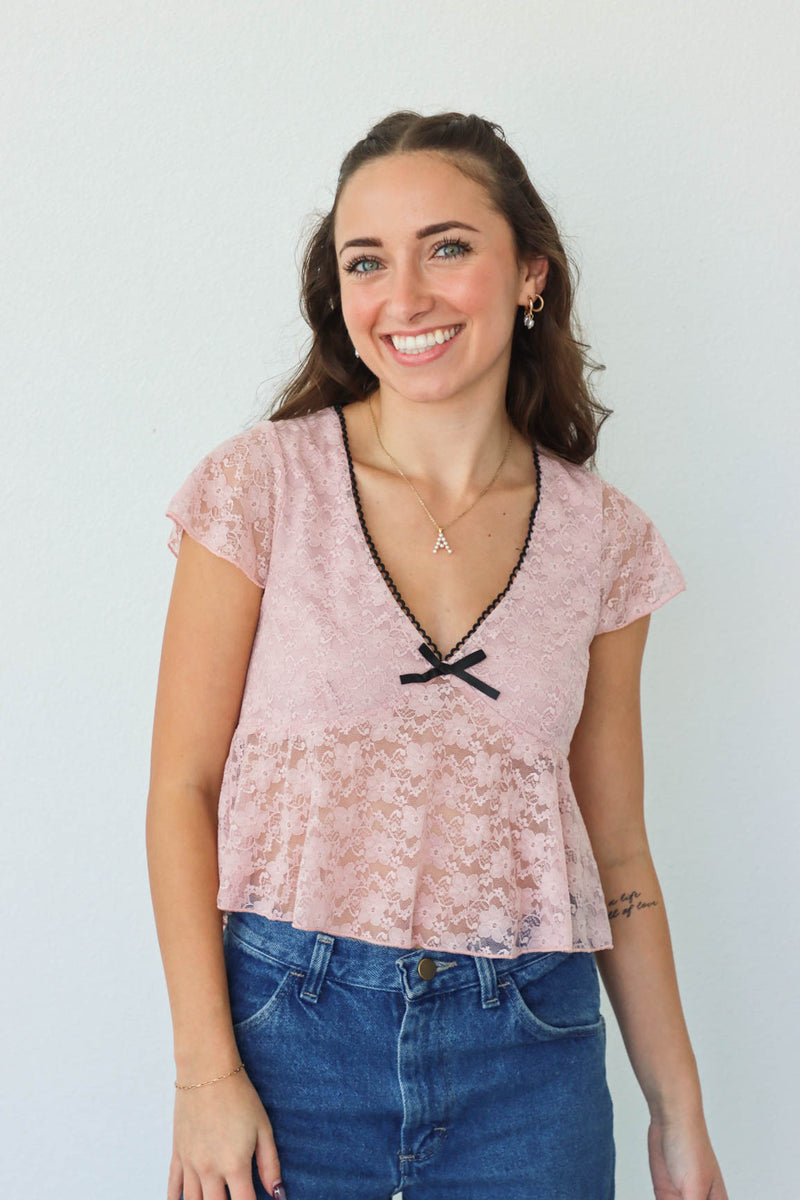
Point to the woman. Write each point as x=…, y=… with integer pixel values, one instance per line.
x=397, y=739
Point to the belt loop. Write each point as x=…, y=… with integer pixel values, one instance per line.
x=317, y=967
x=488, y=978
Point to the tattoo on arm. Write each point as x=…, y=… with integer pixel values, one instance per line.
x=626, y=902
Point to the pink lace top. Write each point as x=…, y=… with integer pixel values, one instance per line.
x=373, y=790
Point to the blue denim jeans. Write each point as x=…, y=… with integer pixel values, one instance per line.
x=447, y=1076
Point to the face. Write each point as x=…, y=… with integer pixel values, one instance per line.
x=429, y=277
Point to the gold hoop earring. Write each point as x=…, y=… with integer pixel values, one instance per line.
x=531, y=309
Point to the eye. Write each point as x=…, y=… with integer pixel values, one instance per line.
x=461, y=247
x=351, y=266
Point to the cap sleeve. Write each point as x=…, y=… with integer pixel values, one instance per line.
x=227, y=502
x=638, y=573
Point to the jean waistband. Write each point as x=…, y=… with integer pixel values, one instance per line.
x=385, y=968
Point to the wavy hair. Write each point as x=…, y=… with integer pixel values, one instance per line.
x=548, y=396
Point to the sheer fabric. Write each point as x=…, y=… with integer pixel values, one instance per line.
x=419, y=814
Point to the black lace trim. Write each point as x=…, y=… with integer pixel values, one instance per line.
x=390, y=582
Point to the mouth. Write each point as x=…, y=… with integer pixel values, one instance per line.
x=422, y=347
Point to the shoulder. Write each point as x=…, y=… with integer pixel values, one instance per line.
x=308, y=435
x=585, y=487
x=625, y=552
x=244, y=448
x=268, y=444
x=574, y=485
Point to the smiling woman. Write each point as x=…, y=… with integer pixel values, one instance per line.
x=484, y=208
x=418, y=282
x=397, y=741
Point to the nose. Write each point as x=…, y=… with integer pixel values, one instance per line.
x=410, y=293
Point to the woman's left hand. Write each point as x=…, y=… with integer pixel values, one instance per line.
x=682, y=1162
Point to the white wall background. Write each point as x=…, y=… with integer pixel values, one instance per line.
x=160, y=161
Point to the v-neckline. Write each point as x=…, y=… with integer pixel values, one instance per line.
x=385, y=572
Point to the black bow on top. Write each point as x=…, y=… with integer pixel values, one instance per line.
x=459, y=668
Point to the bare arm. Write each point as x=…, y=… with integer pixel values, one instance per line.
x=211, y=621
x=607, y=772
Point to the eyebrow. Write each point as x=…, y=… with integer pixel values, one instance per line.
x=427, y=231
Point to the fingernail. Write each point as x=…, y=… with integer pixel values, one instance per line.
x=278, y=1191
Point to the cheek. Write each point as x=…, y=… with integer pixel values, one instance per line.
x=358, y=308
x=485, y=290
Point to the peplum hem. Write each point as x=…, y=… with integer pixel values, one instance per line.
x=468, y=839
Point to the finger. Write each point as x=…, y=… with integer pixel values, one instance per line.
x=175, y=1180
x=214, y=1188
x=240, y=1185
x=267, y=1161
x=718, y=1190
x=192, y=1188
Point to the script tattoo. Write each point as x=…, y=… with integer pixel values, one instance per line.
x=624, y=905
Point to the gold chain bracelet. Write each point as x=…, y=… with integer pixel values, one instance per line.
x=185, y=1087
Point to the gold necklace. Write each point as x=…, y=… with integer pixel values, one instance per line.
x=441, y=541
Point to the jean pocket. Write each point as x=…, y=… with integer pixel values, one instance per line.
x=256, y=983
x=562, y=1002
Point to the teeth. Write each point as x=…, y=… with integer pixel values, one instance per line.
x=424, y=341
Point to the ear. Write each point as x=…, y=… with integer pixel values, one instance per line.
x=533, y=276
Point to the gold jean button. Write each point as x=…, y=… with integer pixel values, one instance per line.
x=427, y=968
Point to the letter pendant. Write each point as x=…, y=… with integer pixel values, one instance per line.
x=441, y=541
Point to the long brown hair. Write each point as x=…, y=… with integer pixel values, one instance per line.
x=548, y=397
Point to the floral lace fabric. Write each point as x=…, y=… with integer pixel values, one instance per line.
x=423, y=814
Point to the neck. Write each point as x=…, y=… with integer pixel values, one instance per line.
x=452, y=447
